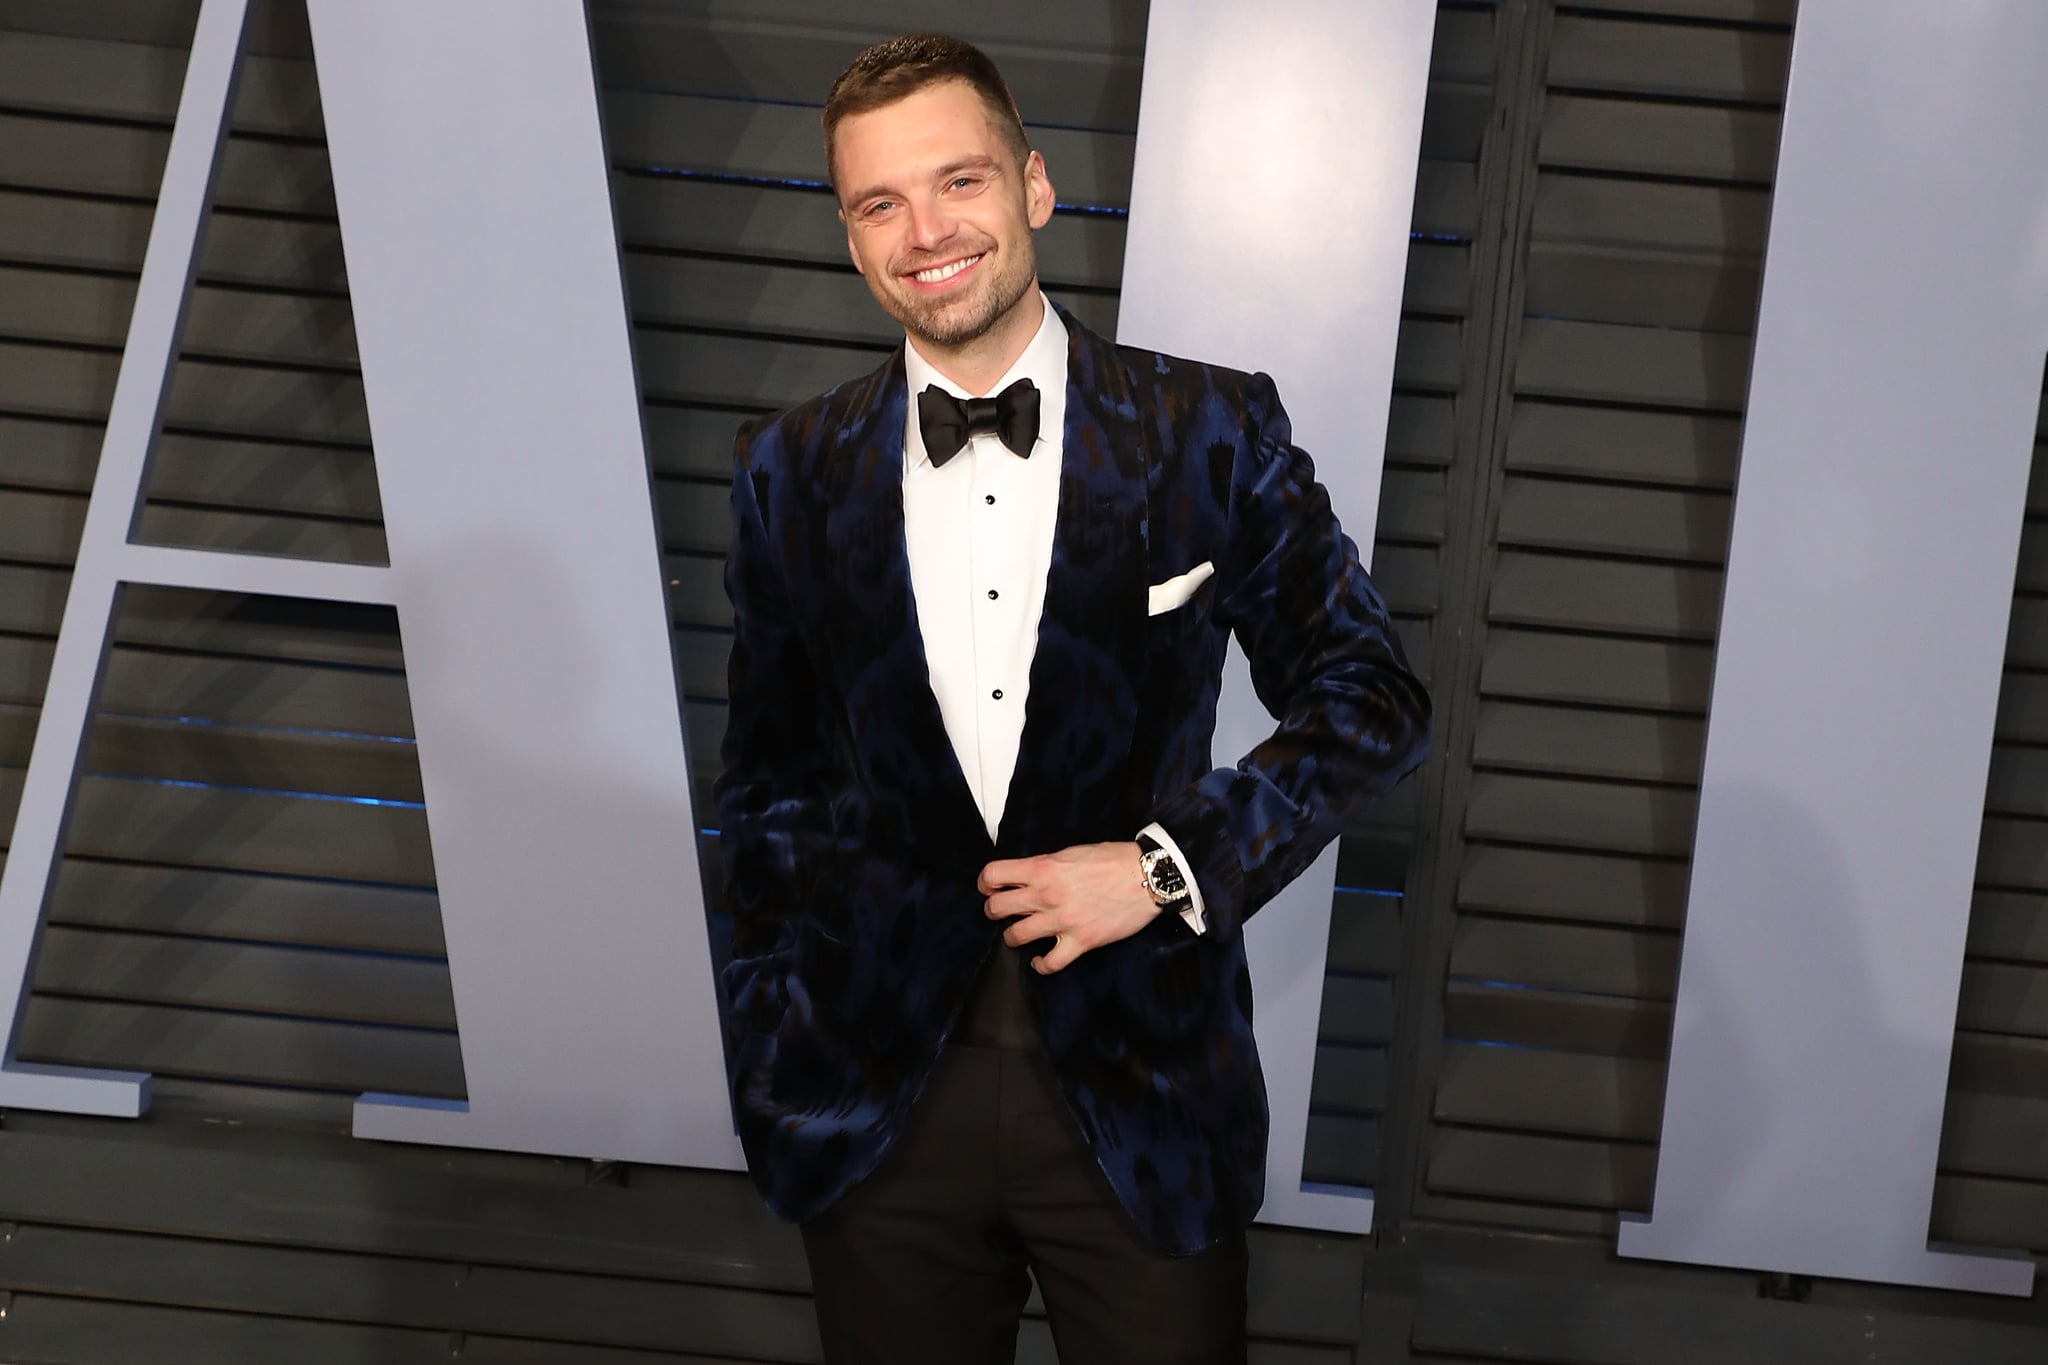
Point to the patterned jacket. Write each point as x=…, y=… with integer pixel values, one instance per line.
x=851, y=842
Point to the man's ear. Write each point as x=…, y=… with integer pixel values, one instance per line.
x=1038, y=193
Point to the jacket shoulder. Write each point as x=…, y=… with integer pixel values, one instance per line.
x=1186, y=384
x=1200, y=402
x=794, y=438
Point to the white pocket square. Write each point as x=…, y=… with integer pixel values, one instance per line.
x=1163, y=597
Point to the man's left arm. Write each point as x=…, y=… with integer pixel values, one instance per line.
x=1353, y=721
x=1353, y=718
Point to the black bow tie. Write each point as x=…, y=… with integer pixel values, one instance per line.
x=946, y=422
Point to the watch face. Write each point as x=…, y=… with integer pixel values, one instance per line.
x=1163, y=876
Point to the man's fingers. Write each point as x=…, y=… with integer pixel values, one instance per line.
x=1028, y=930
x=1006, y=872
x=1013, y=901
x=1003, y=873
x=1065, y=948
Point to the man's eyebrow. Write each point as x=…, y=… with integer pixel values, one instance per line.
x=971, y=163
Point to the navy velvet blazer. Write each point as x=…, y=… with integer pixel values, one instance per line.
x=851, y=841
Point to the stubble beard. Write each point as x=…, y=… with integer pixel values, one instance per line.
x=949, y=323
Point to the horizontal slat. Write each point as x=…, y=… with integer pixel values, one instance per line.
x=1641, y=288
x=2019, y=782
x=247, y=908
x=1625, y=963
x=1341, y=1151
x=1567, y=1093
x=304, y=983
x=1603, y=816
x=1999, y=1064
x=172, y=750
x=246, y=1048
x=1729, y=11
x=2012, y=927
x=1349, y=1080
x=1606, y=211
x=2023, y=707
x=1557, y=884
x=1365, y=934
x=1648, y=523
x=1694, y=142
x=1357, y=1010
x=1528, y=1168
x=1569, y=741
x=1996, y=1135
x=2008, y=998
x=1666, y=601
x=1671, y=60
x=2013, y=854
x=179, y=826
x=1540, y=666
x=1648, y=447
x=1563, y=1021
x=1600, y=362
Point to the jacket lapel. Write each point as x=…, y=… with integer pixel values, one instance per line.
x=878, y=650
x=1082, y=708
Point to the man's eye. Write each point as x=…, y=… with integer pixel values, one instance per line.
x=880, y=207
x=963, y=182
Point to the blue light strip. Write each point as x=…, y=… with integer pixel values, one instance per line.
x=204, y=722
x=262, y=791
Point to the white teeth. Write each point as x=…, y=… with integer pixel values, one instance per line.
x=944, y=272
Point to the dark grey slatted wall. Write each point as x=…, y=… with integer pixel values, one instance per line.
x=1432, y=378
x=1653, y=157
x=247, y=908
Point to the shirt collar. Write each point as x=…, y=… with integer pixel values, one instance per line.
x=1043, y=362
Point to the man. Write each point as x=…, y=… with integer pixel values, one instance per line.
x=989, y=995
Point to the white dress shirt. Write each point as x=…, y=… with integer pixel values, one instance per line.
x=979, y=532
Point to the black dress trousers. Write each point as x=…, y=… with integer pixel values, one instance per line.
x=925, y=1262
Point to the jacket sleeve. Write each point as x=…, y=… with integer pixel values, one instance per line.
x=1353, y=719
x=773, y=814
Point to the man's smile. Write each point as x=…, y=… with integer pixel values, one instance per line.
x=939, y=275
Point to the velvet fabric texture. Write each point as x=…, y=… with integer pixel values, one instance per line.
x=851, y=842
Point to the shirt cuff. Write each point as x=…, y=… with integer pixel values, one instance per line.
x=1192, y=912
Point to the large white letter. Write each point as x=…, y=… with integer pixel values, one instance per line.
x=1278, y=144
x=1877, y=523
x=497, y=360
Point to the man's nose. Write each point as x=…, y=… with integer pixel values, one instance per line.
x=930, y=225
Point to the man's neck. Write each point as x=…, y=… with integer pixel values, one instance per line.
x=978, y=365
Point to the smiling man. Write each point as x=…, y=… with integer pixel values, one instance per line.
x=989, y=1000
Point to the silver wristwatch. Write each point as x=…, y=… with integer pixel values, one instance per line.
x=1162, y=875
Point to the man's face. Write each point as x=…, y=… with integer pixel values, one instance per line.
x=939, y=214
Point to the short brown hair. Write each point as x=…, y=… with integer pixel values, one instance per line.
x=900, y=67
